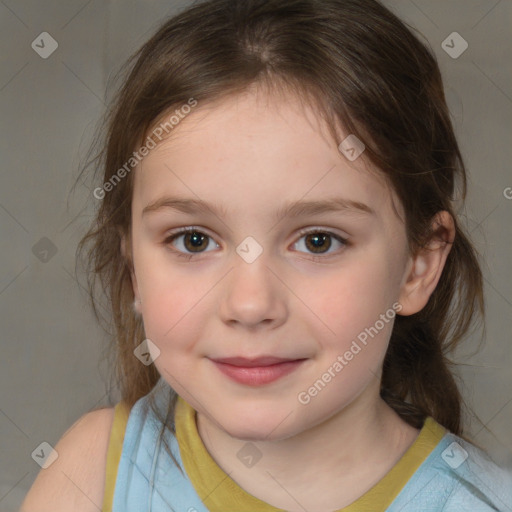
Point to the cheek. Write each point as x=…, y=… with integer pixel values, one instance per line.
x=172, y=314
x=351, y=350
x=354, y=298
x=172, y=300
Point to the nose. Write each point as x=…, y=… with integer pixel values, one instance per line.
x=253, y=297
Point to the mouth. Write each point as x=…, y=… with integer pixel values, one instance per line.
x=258, y=371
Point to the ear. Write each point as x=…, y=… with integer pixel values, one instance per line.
x=127, y=254
x=425, y=268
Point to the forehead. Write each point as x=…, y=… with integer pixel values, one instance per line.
x=255, y=149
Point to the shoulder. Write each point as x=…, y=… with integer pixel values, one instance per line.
x=457, y=476
x=76, y=479
x=477, y=482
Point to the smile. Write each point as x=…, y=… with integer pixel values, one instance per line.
x=256, y=372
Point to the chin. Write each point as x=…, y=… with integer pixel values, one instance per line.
x=262, y=425
x=243, y=433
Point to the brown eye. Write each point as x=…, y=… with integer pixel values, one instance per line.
x=189, y=241
x=319, y=242
x=195, y=241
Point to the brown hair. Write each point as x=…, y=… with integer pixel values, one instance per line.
x=359, y=66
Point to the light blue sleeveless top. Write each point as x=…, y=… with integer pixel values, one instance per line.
x=455, y=477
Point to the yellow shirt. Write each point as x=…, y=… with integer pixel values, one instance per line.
x=219, y=492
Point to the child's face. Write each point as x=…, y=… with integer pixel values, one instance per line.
x=251, y=156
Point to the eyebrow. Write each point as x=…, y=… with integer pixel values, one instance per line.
x=292, y=209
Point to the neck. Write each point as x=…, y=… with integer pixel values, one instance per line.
x=329, y=465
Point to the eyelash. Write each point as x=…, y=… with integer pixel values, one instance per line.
x=302, y=233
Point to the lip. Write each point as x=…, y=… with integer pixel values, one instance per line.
x=254, y=362
x=258, y=371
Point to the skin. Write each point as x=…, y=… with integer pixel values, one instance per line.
x=252, y=154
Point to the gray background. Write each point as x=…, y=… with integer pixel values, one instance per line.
x=52, y=364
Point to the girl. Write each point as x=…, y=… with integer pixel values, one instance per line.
x=276, y=234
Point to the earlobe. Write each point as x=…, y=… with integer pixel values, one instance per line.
x=427, y=266
x=137, y=303
x=127, y=256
